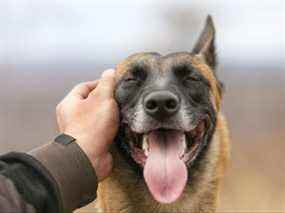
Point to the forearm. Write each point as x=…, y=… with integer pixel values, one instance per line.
x=56, y=177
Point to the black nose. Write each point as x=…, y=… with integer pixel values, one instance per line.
x=159, y=104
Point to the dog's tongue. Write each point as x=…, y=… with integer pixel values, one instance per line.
x=164, y=172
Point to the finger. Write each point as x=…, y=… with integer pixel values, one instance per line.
x=106, y=85
x=82, y=90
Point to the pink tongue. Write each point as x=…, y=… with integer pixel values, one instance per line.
x=164, y=172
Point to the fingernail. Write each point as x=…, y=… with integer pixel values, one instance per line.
x=108, y=72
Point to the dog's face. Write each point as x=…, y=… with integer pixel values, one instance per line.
x=168, y=107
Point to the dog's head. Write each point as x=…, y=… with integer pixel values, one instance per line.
x=168, y=107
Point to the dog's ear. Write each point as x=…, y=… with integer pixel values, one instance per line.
x=205, y=46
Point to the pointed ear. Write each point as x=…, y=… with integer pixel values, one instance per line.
x=205, y=45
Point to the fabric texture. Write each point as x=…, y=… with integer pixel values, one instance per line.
x=56, y=177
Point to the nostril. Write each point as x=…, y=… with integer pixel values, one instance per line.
x=151, y=105
x=171, y=104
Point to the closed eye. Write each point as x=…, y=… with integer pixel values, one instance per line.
x=188, y=75
x=130, y=79
x=182, y=70
x=191, y=78
x=136, y=75
x=195, y=79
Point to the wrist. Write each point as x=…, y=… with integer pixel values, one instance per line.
x=101, y=161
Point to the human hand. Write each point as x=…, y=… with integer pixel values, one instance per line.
x=90, y=114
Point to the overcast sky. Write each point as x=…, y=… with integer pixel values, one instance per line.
x=70, y=30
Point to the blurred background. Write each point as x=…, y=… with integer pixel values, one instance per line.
x=46, y=47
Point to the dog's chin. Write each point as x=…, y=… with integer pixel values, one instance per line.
x=165, y=156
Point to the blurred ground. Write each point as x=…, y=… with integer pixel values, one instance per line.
x=254, y=105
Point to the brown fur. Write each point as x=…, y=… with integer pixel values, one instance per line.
x=124, y=192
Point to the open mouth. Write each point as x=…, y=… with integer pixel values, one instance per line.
x=164, y=155
x=188, y=141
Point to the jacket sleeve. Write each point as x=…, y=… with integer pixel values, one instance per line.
x=10, y=199
x=57, y=177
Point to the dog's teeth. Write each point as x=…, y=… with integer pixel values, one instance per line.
x=184, y=147
x=145, y=145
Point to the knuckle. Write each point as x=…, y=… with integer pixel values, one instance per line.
x=109, y=83
x=104, y=87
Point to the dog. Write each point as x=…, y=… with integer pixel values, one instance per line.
x=173, y=144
